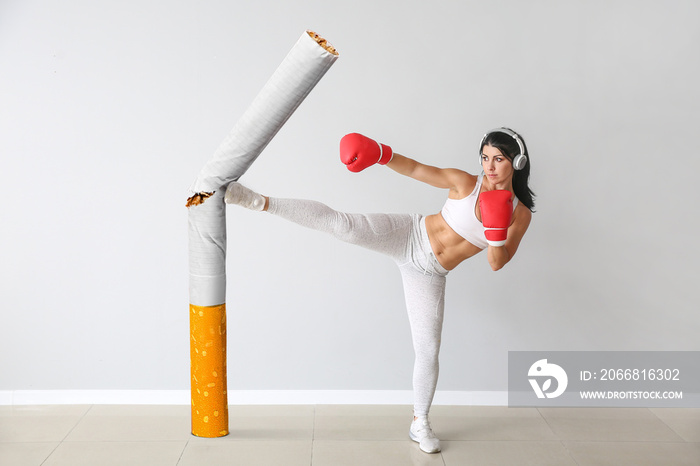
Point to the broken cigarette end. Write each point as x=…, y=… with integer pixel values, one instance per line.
x=198, y=199
x=322, y=42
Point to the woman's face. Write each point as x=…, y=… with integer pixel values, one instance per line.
x=497, y=167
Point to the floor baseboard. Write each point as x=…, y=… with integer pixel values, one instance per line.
x=247, y=397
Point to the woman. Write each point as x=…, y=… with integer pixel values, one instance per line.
x=491, y=211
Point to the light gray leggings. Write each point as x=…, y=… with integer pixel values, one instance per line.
x=404, y=238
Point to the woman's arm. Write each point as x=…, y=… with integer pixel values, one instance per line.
x=499, y=256
x=446, y=178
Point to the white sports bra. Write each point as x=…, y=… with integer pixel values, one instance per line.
x=460, y=215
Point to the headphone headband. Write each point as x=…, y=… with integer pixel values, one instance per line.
x=520, y=160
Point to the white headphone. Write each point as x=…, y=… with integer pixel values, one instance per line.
x=520, y=160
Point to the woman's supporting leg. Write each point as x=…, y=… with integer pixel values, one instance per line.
x=425, y=303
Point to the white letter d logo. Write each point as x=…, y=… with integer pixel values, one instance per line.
x=542, y=369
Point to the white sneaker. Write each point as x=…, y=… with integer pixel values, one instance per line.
x=422, y=433
x=238, y=194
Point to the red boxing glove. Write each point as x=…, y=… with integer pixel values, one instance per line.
x=358, y=152
x=496, y=212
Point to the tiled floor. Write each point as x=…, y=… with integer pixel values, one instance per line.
x=100, y=435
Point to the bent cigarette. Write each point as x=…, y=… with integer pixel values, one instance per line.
x=299, y=72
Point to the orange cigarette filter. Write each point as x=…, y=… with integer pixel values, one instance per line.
x=208, y=370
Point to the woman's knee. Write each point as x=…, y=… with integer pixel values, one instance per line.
x=427, y=352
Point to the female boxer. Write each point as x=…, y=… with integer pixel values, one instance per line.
x=491, y=211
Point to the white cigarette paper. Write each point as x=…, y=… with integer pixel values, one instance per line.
x=207, y=244
x=299, y=72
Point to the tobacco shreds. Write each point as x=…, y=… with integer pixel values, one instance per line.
x=198, y=199
x=322, y=42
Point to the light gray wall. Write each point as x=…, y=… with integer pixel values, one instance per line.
x=108, y=110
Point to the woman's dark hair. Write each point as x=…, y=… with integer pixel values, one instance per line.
x=509, y=147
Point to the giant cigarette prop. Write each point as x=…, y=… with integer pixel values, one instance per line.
x=302, y=68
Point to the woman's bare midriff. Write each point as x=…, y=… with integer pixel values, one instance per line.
x=450, y=249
